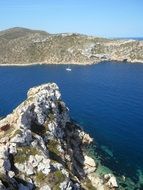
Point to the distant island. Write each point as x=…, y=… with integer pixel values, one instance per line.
x=22, y=46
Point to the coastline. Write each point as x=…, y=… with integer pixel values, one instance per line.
x=49, y=48
x=30, y=64
x=71, y=63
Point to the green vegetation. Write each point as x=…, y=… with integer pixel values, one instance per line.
x=59, y=178
x=51, y=117
x=53, y=179
x=40, y=177
x=21, y=45
x=17, y=132
x=23, y=154
x=58, y=175
x=52, y=146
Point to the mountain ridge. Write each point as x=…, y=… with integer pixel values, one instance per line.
x=25, y=46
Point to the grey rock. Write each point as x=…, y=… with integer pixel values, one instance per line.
x=11, y=174
x=45, y=144
x=12, y=148
x=29, y=170
x=66, y=185
x=2, y=187
x=23, y=187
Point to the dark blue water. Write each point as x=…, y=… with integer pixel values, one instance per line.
x=106, y=99
x=136, y=38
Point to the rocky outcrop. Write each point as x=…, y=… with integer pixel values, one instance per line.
x=24, y=46
x=41, y=148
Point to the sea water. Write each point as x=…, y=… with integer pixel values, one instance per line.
x=106, y=99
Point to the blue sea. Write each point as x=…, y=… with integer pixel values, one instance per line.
x=131, y=38
x=106, y=99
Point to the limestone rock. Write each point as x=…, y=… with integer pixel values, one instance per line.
x=44, y=166
x=96, y=181
x=20, y=167
x=29, y=170
x=12, y=148
x=89, y=165
x=46, y=187
x=43, y=148
x=85, y=138
x=111, y=180
x=66, y=185
x=11, y=174
x=33, y=161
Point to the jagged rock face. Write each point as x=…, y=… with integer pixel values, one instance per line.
x=41, y=148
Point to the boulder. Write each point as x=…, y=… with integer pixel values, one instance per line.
x=11, y=174
x=86, y=139
x=96, y=181
x=89, y=165
x=111, y=180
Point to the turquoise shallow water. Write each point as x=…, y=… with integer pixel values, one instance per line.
x=106, y=99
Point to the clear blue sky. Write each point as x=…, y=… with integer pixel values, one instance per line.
x=110, y=18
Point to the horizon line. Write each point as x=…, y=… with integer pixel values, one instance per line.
x=87, y=34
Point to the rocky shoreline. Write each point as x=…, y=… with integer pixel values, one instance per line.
x=42, y=148
x=82, y=64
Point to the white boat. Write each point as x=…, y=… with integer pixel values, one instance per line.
x=68, y=69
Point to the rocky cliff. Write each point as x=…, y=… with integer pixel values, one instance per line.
x=24, y=46
x=42, y=148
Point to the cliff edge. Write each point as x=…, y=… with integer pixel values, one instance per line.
x=41, y=148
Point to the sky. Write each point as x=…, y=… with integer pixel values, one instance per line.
x=107, y=18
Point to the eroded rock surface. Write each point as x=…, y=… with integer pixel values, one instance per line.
x=41, y=148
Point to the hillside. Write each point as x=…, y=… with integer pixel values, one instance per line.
x=23, y=46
